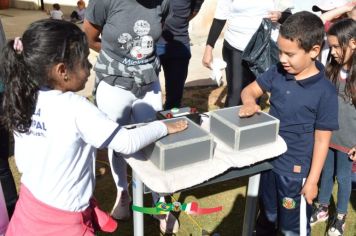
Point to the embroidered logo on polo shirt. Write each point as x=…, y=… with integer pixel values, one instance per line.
x=288, y=203
x=297, y=169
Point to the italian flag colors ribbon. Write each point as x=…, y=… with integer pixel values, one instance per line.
x=164, y=208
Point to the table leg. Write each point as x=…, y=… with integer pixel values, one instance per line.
x=250, y=207
x=137, y=194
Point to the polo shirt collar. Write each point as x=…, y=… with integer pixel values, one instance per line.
x=311, y=80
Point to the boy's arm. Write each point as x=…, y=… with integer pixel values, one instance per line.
x=249, y=96
x=320, y=150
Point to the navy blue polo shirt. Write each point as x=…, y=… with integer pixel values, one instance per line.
x=302, y=106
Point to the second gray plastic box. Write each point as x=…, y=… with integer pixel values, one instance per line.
x=180, y=149
x=241, y=133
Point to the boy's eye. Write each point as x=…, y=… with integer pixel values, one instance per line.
x=288, y=54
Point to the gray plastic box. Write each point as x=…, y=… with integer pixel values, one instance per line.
x=241, y=133
x=180, y=149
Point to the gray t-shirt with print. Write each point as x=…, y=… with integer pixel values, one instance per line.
x=129, y=28
x=346, y=134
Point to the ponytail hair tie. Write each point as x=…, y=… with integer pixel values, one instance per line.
x=18, y=47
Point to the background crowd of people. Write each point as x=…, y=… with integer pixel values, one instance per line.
x=137, y=40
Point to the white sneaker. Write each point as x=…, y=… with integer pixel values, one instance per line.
x=121, y=209
x=168, y=223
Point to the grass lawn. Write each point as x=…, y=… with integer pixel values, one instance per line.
x=229, y=194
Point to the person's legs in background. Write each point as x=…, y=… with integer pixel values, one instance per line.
x=343, y=177
x=321, y=212
x=174, y=59
x=121, y=105
x=6, y=178
x=175, y=73
x=238, y=76
x=116, y=103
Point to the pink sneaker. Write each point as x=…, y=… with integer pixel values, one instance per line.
x=320, y=214
x=121, y=209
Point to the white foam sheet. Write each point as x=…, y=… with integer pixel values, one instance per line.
x=223, y=159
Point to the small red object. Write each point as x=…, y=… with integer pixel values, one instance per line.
x=169, y=115
x=193, y=110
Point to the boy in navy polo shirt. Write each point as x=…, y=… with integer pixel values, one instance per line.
x=305, y=102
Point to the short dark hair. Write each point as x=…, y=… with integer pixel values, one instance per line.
x=56, y=6
x=304, y=27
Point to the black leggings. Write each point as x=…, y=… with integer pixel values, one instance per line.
x=6, y=178
x=238, y=75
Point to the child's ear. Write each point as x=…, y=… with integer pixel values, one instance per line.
x=314, y=52
x=60, y=70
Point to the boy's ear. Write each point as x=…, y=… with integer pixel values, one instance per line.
x=314, y=52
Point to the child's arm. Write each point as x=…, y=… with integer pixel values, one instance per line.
x=249, y=96
x=130, y=141
x=320, y=150
x=352, y=153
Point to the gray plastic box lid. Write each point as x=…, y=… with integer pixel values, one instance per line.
x=180, y=149
x=242, y=133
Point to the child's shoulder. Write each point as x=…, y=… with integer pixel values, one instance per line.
x=327, y=84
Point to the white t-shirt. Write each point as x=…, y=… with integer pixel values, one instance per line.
x=56, y=14
x=57, y=156
x=243, y=18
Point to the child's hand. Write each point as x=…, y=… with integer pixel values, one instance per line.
x=310, y=191
x=352, y=153
x=249, y=110
x=177, y=126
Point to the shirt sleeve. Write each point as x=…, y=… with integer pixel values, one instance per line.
x=132, y=140
x=97, y=129
x=92, y=125
x=222, y=11
x=327, y=116
x=265, y=79
x=215, y=31
x=196, y=5
x=97, y=12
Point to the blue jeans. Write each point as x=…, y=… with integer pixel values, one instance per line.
x=339, y=165
x=174, y=57
x=354, y=180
